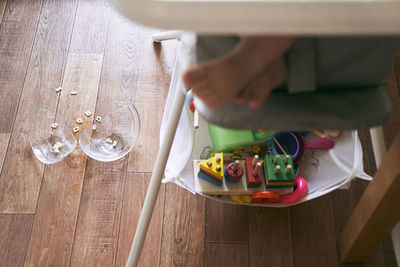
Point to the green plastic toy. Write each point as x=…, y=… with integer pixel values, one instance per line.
x=225, y=140
x=279, y=175
x=261, y=136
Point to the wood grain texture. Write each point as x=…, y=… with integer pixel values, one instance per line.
x=384, y=254
x=183, y=228
x=57, y=209
x=2, y=7
x=397, y=70
x=13, y=65
x=152, y=90
x=368, y=152
x=99, y=214
x=22, y=172
x=226, y=223
x=12, y=11
x=389, y=257
x=91, y=26
x=142, y=158
x=14, y=236
x=96, y=240
x=270, y=234
x=220, y=254
x=120, y=65
x=373, y=218
x=344, y=201
x=134, y=71
x=392, y=127
x=390, y=130
x=17, y=33
x=313, y=233
x=4, y=138
x=19, y=24
x=135, y=191
x=21, y=17
x=343, y=204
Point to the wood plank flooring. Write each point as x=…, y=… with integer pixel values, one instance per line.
x=81, y=212
x=22, y=174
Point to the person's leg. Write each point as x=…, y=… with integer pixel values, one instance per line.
x=257, y=91
x=219, y=81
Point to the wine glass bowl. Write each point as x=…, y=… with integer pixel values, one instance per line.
x=113, y=136
x=49, y=136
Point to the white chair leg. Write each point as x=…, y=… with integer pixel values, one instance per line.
x=156, y=177
x=378, y=144
x=167, y=35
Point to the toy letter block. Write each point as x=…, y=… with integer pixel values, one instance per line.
x=254, y=174
x=278, y=170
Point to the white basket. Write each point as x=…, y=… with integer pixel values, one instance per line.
x=324, y=170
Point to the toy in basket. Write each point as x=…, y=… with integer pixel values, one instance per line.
x=258, y=166
x=323, y=170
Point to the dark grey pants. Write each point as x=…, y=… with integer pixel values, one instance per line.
x=332, y=83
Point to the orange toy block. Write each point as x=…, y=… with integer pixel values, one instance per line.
x=265, y=197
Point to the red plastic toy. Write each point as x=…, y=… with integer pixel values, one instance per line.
x=301, y=190
x=265, y=197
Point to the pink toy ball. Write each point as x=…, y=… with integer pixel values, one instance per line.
x=301, y=189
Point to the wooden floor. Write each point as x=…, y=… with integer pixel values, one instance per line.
x=82, y=212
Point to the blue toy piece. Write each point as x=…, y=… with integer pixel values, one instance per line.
x=208, y=178
x=271, y=147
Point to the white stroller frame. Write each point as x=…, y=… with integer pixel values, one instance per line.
x=377, y=139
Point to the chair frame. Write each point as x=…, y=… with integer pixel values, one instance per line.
x=364, y=231
x=376, y=213
x=327, y=17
